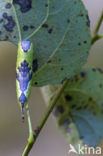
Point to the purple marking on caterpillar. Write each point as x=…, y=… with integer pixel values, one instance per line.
x=25, y=45
x=24, y=75
x=22, y=98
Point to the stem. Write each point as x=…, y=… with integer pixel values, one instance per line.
x=41, y=124
x=96, y=36
x=29, y=120
x=51, y=106
x=30, y=140
x=99, y=22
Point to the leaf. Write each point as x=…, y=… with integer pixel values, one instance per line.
x=21, y=18
x=79, y=111
x=59, y=30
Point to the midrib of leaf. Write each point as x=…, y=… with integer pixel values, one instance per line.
x=56, y=12
x=17, y=22
x=53, y=53
x=48, y=14
x=33, y=33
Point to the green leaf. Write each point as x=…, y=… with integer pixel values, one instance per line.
x=82, y=105
x=79, y=111
x=59, y=30
x=20, y=18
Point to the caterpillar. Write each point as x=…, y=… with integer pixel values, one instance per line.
x=24, y=72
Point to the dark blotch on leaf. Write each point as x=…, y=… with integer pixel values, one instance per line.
x=81, y=15
x=11, y=23
x=93, y=69
x=25, y=27
x=81, y=137
x=35, y=65
x=88, y=21
x=45, y=25
x=100, y=85
x=68, y=97
x=85, y=42
x=49, y=61
x=59, y=109
x=79, y=44
x=64, y=80
x=62, y=68
x=100, y=70
x=90, y=99
x=79, y=108
x=4, y=15
x=83, y=74
x=50, y=30
x=8, y=6
x=36, y=83
x=1, y=20
x=46, y=5
x=68, y=20
x=65, y=123
x=25, y=5
x=73, y=106
x=32, y=27
x=0, y=32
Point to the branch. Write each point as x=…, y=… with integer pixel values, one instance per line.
x=33, y=136
x=30, y=140
x=99, y=22
x=96, y=36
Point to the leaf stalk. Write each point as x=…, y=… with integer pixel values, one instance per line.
x=34, y=134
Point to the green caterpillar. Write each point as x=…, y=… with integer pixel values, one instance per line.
x=24, y=72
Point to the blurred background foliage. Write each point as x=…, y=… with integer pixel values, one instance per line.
x=13, y=132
